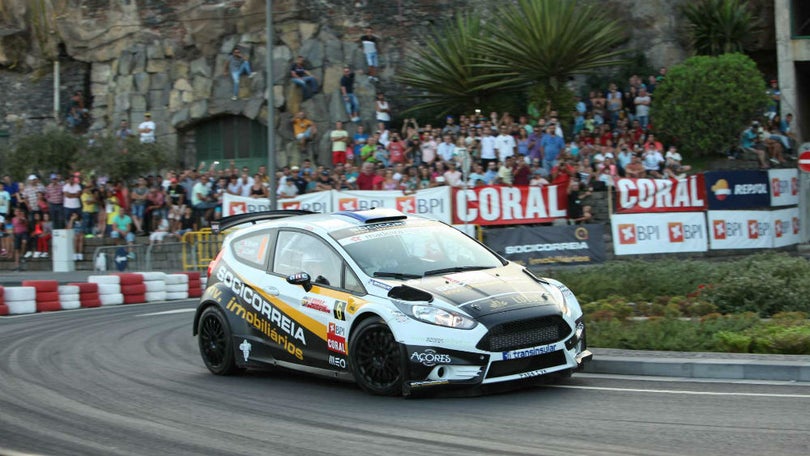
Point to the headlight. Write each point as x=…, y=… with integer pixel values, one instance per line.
x=436, y=316
x=441, y=317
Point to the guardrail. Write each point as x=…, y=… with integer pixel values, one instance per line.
x=200, y=248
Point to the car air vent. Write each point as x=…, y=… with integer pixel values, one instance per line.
x=525, y=333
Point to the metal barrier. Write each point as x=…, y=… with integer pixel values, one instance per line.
x=138, y=263
x=200, y=248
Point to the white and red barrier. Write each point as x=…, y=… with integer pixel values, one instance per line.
x=100, y=290
x=69, y=297
x=20, y=300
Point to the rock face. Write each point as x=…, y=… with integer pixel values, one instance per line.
x=168, y=58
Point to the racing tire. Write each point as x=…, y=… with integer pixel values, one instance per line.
x=215, y=342
x=376, y=358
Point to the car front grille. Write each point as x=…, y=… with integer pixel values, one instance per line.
x=525, y=333
x=520, y=365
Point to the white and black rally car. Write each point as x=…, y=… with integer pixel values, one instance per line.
x=394, y=302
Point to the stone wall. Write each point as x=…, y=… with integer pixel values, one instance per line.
x=167, y=57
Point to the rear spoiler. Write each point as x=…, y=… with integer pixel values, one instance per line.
x=218, y=226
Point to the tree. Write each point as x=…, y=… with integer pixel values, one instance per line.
x=719, y=26
x=444, y=71
x=59, y=151
x=705, y=102
x=523, y=44
x=547, y=41
x=53, y=151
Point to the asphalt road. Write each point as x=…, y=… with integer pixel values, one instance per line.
x=128, y=380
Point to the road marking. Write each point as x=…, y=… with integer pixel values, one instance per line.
x=166, y=312
x=694, y=393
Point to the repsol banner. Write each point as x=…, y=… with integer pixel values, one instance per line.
x=503, y=205
x=661, y=195
x=548, y=244
x=737, y=190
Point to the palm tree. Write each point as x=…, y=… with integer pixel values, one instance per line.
x=547, y=41
x=444, y=71
x=719, y=26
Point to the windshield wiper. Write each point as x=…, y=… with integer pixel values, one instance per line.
x=454, y=269
x=396, y=275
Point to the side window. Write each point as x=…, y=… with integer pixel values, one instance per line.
x=302, y=252
x=252, y=249
x=351, y=282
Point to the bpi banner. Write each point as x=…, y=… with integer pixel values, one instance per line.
x=786, y=227
x=740, y=229
x=661, y=195
x=502, y=205
x=737, y=190
x=432, y=203
x=316, y=202
x=784, y=187
x=572, y=244
x=659, y=233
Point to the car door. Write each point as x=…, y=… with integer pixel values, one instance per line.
x=323, y=307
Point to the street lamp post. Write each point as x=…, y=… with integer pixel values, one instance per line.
x=271, y=108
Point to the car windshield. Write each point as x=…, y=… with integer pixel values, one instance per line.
x=412, y=249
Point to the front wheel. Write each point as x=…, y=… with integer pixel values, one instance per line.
x=215, y=341
x=376, y=358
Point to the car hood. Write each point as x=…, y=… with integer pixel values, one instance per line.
x=485, y=292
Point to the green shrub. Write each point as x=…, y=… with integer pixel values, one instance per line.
x=732, y=342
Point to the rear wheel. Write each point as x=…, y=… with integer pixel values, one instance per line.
x=376, y=358
x=215, y=341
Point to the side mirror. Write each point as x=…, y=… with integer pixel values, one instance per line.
x=301, y=278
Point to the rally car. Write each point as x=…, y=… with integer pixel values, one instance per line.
x=394, y=302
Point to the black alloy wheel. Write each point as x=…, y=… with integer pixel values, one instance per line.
x=376, y=358
x=216, y=345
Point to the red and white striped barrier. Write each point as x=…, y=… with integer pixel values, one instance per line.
x=69, y=297
x=47, y=294
x=132, y=288
x=20, y=300
x=88, y=294
x=176, y=286
x=109, y=289
x=3, y=306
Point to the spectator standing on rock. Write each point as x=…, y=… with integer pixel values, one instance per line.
x=339, y=138
x=369, y=43
x=349, y=98
x=146, y=129
x=236, y=66
x=383, y=112
x=301, y=77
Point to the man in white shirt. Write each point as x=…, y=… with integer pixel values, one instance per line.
x=642, y=102
x=505, y=144
x=340, y=140
x=488, y=154
x=147, y=129
x=446, y=149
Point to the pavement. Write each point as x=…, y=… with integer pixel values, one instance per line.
x=725, y=366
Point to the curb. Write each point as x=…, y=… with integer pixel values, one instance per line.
x=791, y=368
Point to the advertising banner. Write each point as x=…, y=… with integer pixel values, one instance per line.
x=528, y=246
x=740, y=229
x=661, y=195
x=784, y=187
x=737, y=190
x=432, y=203
x=659, y=233
x=786, y=227
x=316, y=202
x=502, y=205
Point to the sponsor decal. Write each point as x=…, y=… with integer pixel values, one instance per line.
x=430, y=358
x=721, y=190
x=336, y=339
x=357, y=204
x=425, y=383
x=796, y=226
x=245, y=347
x=627, y=233
x=534, y=373
x=406, y=204
x=337, y=361
x=777, y=228
x=265, y=328
x=753, y=229
x=719, y=229
x=379, y=284
x=750, y=189
x=339, y=311
x=776, y=187
x=582, y=233
x=315, y=304
x=528, y=352
x=238, y=208
x=560, y=246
